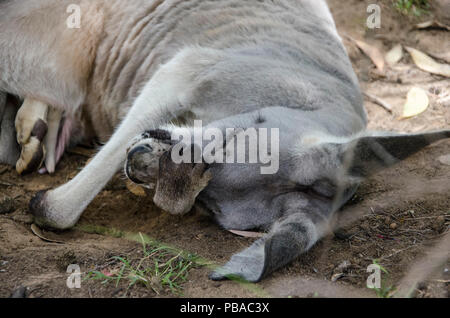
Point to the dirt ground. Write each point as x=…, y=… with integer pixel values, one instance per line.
x=397, y=217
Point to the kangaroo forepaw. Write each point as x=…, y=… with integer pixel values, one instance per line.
x=31, y=129
x=33, y=151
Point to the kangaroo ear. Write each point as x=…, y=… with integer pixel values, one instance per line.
x=367, y=155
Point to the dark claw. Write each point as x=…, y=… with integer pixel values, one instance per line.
x=39, y=130
x=37, y=208
x=36, y=161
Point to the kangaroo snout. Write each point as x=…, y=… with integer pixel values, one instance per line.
x=138, y=166
x=142, y=163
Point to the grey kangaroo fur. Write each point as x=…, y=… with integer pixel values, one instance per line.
x=137, y=66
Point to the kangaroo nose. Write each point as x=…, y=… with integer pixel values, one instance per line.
x=137, y=163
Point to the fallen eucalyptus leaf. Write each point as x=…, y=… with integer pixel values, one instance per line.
x=425, y=25
x=432, y=24
x=247, y=234
x=136, y=189
x=372, y=52
x=417, y=102
x=336, y=277
x=428, y=64
x=445, y=160
x=378, y=101
x=394, y=55
x=442, y=25
x=37, y=231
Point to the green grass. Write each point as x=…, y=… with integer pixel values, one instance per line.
x=414, y=7
x=386, y=291
x=156, y=268
x=151, y=245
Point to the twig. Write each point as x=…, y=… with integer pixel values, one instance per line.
x=379, y=102
x=431, y=24
x=414, y=231
x=397, y=252
x=3, y=170
x=6, y=184
x=424, y=217
x=442, y=281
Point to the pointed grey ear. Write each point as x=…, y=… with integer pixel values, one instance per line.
x=288, y=239
x=264, y=256
x=367, y=155
x=248, y=265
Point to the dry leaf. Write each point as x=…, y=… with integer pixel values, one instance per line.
x=426, y=63
x=445, y=160
x=373, y=53
x=136, y=189
x=247, y=234
x=426, y=24
x=37, y=231
x=432, y=24
x=416, y=103
x=394, y=55
x=336, y=277
x=378, y=101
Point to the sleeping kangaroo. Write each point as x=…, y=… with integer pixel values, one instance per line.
x=133, y=69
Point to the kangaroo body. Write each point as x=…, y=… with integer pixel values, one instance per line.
x=136, y=66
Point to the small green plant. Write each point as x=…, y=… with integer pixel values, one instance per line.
x=158, y=268
x=415, y=7
x=386, y=291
